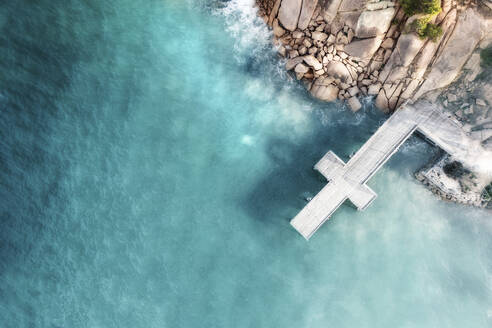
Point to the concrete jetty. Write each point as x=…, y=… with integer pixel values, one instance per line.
x=348, y=180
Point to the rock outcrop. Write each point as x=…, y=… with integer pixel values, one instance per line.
x=373, y=23
x=288, y=14
x=348, y=48
x=464, y=39
x=307, y=10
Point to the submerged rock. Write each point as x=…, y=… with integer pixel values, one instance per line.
x=354, y=104
x=324, y=92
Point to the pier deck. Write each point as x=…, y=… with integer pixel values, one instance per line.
x=348, y=180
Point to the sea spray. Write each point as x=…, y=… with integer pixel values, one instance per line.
x=243, y=23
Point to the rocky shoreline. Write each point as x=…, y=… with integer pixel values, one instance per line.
x=347, y=49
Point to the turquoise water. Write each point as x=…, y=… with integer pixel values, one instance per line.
x=152, y=154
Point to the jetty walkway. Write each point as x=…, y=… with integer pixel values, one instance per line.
x=348, y=180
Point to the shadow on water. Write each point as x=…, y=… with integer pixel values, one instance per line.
x=36, y=67
x=39, y=50
x=293, y=178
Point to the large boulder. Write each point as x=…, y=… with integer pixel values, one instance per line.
x=277, y=30
x=407, y=48
x=274, y=12
x=374, y=23
x=319, y=36
x=374, y=89
x=350, y=18
x=351, y=5
x=313, y=62
x=330, y=10
x=291, y=63
x=301, y=68
x=339, y=71
x=307, y=11
x=387, y=99
x=288, y=14
x=363, y=49
x=488, y=3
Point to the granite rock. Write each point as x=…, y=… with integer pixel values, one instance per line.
x=289, y=12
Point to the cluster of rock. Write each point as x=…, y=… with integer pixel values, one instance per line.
x=467, y=190
x=347, y=48
x=473, y=112
x=469, y=99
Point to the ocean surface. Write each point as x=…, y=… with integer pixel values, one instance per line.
x=152, y=154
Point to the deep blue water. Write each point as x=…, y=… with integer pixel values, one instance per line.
x=152, y=154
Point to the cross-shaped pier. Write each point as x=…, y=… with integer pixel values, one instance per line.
x=348, y=180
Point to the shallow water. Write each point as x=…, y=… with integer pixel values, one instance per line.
x=152, y=154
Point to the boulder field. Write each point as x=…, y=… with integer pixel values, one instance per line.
x=344, y=49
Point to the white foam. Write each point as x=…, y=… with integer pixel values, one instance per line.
x=250, y=32
x=257, y=89
x=289, y=116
